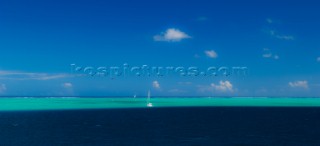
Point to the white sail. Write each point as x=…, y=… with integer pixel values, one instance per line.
x=149, y=104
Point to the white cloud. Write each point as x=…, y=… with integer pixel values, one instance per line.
x=18, y=75
x=68, y=89
x=211, y=53
x=318, y=59
x=156, y=85
x=299, y=84
x=3, y=88
x=281, y=36
x=176, y=91
x=171, y=35
x=285, y=37
x=267, y=55
x=223, y=86
x=266, y=49
x=67, y=85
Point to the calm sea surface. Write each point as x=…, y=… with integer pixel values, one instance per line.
x=239, y=126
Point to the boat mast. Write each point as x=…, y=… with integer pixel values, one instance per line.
x=149, y=104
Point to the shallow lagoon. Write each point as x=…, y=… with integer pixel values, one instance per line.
x=63, y=103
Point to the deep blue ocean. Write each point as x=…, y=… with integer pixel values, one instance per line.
x=234, y=126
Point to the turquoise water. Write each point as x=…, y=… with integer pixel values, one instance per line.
x=61, y=103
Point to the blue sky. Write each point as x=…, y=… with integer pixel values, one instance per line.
x=278, y=41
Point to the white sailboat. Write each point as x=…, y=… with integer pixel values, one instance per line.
x=149, y=104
